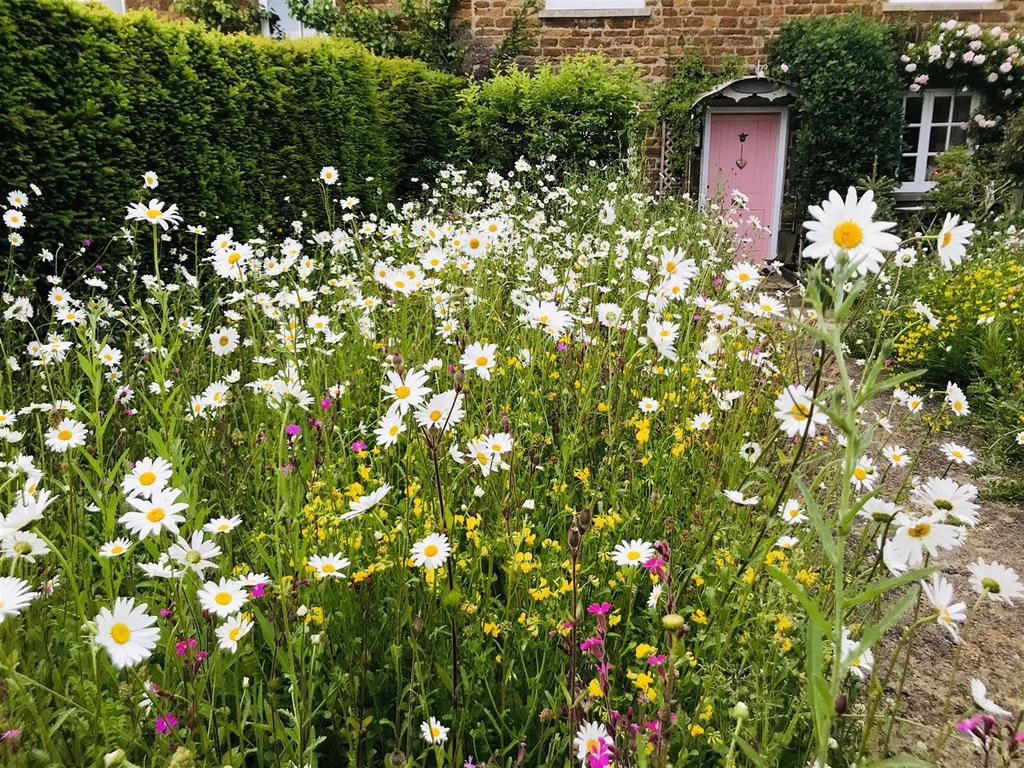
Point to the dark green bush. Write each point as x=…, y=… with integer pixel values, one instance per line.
x=235, y=126
x=588, y=109
x=850, y=114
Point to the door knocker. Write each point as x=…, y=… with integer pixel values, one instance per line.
x=741, y=163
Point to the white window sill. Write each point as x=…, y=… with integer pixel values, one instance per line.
x=592, y=13
x=942, y=5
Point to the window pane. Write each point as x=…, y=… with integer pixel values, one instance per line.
x=957, y=136
x=941, y=110
x=282, y=22
x=913, y=109
x=937, y=140
x=961, y=109
x=910, y=138
x=907, y=167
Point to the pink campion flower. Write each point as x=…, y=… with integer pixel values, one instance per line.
x=258, y=590
x=292, y=430
x=165, y=723
x=657, y=660
x=326, y=403
x=166, y=613
x=589, y=643
x=358, y=446
x=599, y=609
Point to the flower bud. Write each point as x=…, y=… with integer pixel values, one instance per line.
x=672, y=621
x=740, y=711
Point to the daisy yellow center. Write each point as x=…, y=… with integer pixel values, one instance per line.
x=222, y=598
x=64, y=434
x=435, y=731
x=120, y=633
x=919, y=531
x=117, y=549
x=402, y=392
x=744, y=277
x=593, y=745
x=943, y=504
x=860, y=473
x=153, y=213
x=957, y=454
x=435, y=415
x=147, y=478
x=474, y=243
x=155, y=515
x=233, y=634
x=233, y=257
x=394, y=430
x=947, y=239
x=799, y=412
x=430, y=550
x=848, y=234
x=633, y=555
x=481, y=361
x=224, y=341
x=670, y=267
x=328, y=568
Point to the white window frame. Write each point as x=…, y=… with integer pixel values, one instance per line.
x=304, y=31
x=117, y=6
x=920, y=184
x=576, y=8
x=942, y=5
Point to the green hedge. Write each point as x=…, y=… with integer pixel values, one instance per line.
x=587, y=109
x=235, y=126
x=850, y=110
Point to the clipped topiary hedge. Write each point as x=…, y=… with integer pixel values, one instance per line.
x=233, y=125
x=587, y=109
x=850, y=109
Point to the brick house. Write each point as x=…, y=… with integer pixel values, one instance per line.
x=746, y=126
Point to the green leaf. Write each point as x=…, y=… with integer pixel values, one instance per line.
x=889, y=584
x=873, y=633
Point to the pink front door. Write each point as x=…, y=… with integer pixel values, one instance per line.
x=751, y=166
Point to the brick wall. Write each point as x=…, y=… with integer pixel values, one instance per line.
x=676, y=28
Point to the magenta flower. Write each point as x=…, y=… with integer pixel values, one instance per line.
x=358, y=446
x=599, y=609
x=258, y=590
x=166, y=722
x=292, y=430
x=326, y=403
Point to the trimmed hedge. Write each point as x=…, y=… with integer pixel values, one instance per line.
x=850, y=110
x=587, y=109
x=235, y=126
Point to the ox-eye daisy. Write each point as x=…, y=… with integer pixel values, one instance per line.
x=433, y=732
x=223, y=598
x=127, y=632
x=431, y=551
x=479, y=358
x=794, y=408
x=845, y=226
x=15, y=595
x=329, y=566
x=69, y=433
x=231, y=631
x=148, y=475
x=633, y=553
x=151, y=516
x=115, y=548
x=996, y=580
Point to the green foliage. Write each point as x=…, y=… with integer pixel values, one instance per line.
x=1011, y=152
x=674, y=101
x=421, y=29
x=224, y=15
x=850, y=115
x=230, y=124
x=965, y=183
x=588, y=109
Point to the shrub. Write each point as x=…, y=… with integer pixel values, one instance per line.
x=691, y=78
x=588, y=109
x=965, y=184
x=92, y=100
x=850, y=108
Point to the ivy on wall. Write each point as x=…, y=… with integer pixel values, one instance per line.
x=674, y=103
x=850, y=110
